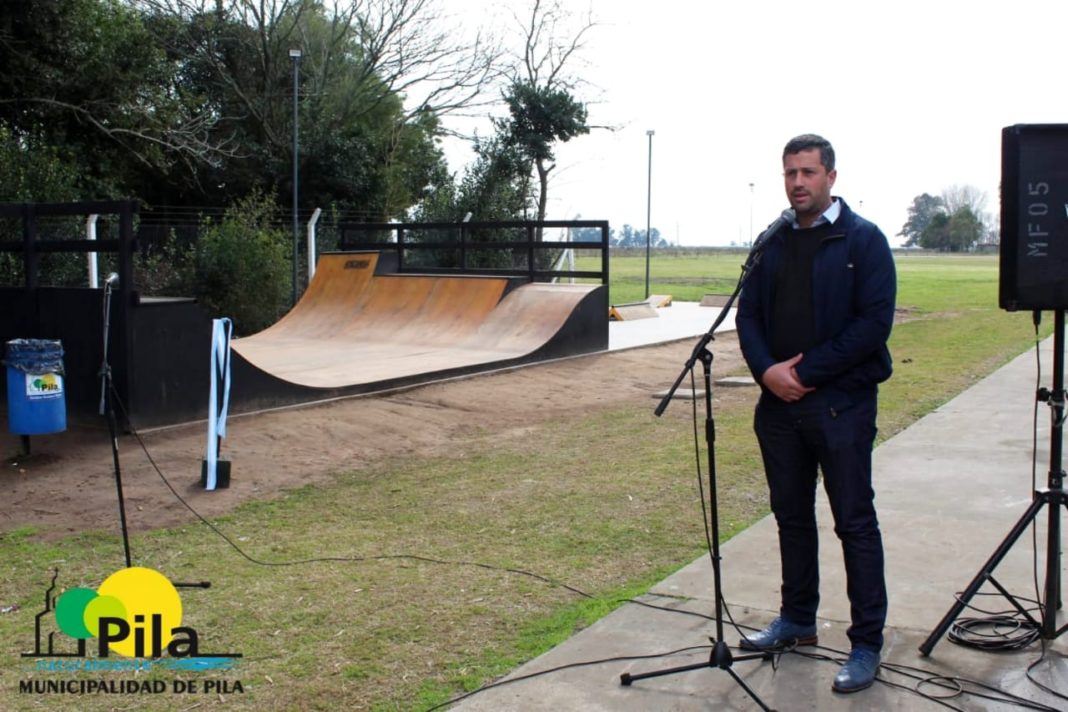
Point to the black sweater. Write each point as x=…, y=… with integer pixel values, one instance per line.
x=792, y=302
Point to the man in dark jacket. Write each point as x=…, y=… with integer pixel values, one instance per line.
x=813, y=321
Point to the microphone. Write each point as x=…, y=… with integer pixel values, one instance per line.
x=787, y=218
x=112, y=279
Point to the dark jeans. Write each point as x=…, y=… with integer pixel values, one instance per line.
x=795, y=439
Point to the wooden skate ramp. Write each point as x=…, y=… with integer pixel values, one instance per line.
x=356, y=331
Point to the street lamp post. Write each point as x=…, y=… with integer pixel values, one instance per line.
x=751, y=214
x=295, y=55
x=648, y=209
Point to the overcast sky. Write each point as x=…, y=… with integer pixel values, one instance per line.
x=913, y=95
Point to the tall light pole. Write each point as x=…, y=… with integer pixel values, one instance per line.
x=295, y=54
x=751, y=214
x=648, y=209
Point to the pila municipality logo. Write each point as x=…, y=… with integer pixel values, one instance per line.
x=135, y=614
x=49, y=384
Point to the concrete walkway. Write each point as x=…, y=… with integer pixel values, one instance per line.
x=949, y=489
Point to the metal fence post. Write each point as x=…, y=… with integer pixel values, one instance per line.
x=530, y=251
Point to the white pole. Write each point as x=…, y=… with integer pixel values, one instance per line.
x=311, y=243
x=751, y=214
x=648, y=210
x=90, y=234
x=295, y=55
x=571, y=255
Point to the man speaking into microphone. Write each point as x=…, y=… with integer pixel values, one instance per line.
x=813, y=321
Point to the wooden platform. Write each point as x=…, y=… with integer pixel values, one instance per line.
x=645, y=309
x=714, y=300
x=630, y=312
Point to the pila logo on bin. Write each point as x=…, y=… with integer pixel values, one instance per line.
x=40, y=363
x=43, y=386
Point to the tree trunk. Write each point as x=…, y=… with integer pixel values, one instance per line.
x=543, y=195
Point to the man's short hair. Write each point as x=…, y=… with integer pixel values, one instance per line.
x=806, y=142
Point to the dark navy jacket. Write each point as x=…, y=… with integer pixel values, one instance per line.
x=854, y=285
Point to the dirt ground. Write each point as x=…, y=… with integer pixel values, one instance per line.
x=67, y=484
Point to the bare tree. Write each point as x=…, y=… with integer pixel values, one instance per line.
x=956, y=197
x=355, y=55
x=542, y=86
x=960, y=198
x=417, y=52
x=551, y=47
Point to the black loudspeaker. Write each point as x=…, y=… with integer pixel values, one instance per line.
x=1034, y=217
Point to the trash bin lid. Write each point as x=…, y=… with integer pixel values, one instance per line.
x=35, y=356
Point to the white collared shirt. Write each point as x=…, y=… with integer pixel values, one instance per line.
x=830, y=215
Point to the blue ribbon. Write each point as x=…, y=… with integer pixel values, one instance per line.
x=221, y=332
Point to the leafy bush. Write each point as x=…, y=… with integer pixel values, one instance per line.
x=242, y=266
x=164, y=266
x=33, y=171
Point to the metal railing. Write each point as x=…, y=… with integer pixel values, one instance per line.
x=492, y=248
x=33, y=243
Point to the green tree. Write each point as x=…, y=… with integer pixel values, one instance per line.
x=539, y=117
x=958, y=232
x=487, y=191
x=923, y=209
x=31, y=172
x=590, y=234
x=34, y=171
x=375, y=76
x=190, y=101
x=495, y=186
x=86, y=75
x=492, y=188
x=965, y=229
x=952, y=222
x=629, y=237
x=935, y=235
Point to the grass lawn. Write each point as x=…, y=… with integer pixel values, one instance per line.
x=585, y=501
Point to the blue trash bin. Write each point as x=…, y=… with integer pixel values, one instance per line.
x=36, y=404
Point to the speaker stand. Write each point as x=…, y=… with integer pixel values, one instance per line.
x=1052, y=499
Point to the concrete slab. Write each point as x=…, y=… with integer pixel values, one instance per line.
x=683, y=392
x=949, y=489
x=681, y=320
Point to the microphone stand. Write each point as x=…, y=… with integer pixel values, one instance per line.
x=107, y=407
x=721, y=656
